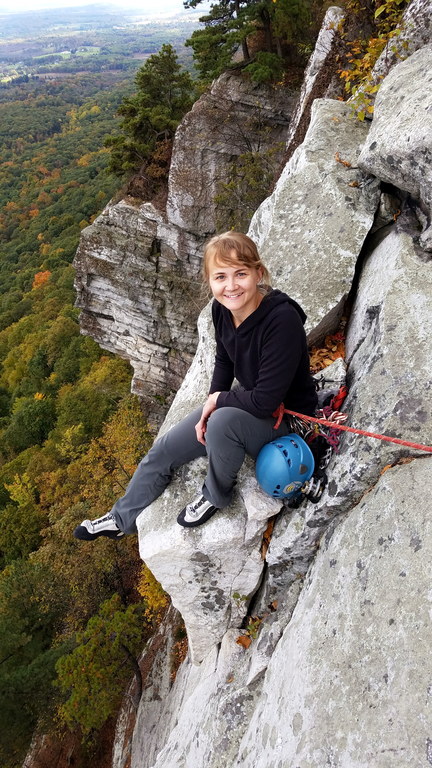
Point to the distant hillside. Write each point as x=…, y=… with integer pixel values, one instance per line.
x=88, y=38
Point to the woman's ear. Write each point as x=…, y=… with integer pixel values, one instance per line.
x=260, y=275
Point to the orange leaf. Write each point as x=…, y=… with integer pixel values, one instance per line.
x=244, y=641
x=384, y=469
x=267, y=539
x=342, y=162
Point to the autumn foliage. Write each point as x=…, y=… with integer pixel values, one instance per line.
x=328, y=351
x=41, y=278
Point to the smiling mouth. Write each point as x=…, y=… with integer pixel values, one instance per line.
x=233, y=295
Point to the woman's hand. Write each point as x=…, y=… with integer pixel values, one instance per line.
x=208, y=408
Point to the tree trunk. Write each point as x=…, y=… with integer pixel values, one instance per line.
x=245, y=49
x=266, y=20
x=137, y=675
x=278, y=47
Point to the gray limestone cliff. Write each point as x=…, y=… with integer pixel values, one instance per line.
x=338, y=672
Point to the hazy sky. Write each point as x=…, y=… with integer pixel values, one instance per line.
x=147, y=7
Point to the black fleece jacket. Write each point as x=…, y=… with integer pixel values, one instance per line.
x=268, y=356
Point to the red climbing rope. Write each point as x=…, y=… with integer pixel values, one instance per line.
x=334, y=423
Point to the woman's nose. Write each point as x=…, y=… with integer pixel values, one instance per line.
x=231, y=282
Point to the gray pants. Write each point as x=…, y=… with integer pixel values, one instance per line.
x=231, y=433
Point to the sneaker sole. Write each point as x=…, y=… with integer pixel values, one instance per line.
x=83, y=534
x=206, y=516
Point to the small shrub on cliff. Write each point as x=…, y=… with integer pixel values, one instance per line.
x=156, y=600
x=361, y=54
x=266, y=67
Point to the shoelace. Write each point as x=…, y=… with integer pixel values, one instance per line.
x=194, y=508
x=102, y=520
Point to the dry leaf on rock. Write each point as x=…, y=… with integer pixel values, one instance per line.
x=244, y=641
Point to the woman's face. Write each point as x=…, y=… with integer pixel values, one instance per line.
x=235, y=286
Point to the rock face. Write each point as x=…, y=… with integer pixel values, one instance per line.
x=138, y=269
x=352, y=669
x=236, y=116
x=398, y=149
x=137, y=281
x=228, y=546
x=311, y=229
x=348, y=683
x=317, y=77
x=415, y=31
x=338, y=671
x=384, y=396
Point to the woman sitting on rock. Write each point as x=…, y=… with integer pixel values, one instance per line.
x=261, y=342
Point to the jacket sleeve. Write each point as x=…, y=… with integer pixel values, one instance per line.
x=281, y=351
x=223, y=372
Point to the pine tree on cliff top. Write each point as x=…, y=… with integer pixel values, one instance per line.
x=150, y=116
x=231, y=25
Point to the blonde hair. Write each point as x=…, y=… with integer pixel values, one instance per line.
x=219, y=249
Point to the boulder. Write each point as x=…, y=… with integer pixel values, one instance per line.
x=311, y=229
x=239, y=116
x=398, y=147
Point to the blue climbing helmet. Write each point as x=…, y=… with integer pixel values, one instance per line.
x=283, y=465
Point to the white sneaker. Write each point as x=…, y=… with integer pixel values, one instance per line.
x=102, y=526
x=196, y=513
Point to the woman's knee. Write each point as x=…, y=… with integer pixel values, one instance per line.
x=179, y=445
x=224, y=422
